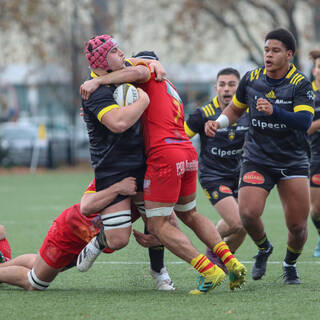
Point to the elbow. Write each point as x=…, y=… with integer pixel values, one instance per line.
x=119, y=127
x=86, y=207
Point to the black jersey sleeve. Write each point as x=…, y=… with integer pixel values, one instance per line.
x=195, y=121
x=303, y=99
x=101, y=102
x=239, y=99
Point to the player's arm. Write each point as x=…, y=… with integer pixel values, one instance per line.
x=120, y=119
x=315, y=126
x=155, y=66
x=139, y=73
x=303, y=109
x=229, y=116
x=93, y=202
x=232, y=112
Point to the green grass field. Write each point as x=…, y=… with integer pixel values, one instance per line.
x=119, y=285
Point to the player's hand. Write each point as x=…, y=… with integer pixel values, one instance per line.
x=81, y=112
x=263, y=105
x=88, y=87
x=157, y=68
x=143, y=95
x=146, y=240
x=127, y=186
x=211, y=127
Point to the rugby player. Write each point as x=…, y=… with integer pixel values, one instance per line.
x=5, y=250
x=314, y=134
x=281, y=107
x=67, y=236
x=219, y=160
x=171, y=178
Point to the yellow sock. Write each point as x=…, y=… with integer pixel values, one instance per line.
x=223, y=252
x=203, y=265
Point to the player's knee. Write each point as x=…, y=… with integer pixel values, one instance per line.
x=117, y=243
x=34, y=283
x=298, y=230
x=188, y=217
x=237, y=228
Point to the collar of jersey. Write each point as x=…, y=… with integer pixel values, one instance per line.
x=314, y=86
x=93, y=75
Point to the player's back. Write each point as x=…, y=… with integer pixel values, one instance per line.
x=163, y=120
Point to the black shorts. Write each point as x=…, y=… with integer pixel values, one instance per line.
x=315, y=174
x=105, y=182
x=217, y=190
x=256, y=175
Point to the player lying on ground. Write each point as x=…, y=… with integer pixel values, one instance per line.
x=5, y=250
x=68, y=235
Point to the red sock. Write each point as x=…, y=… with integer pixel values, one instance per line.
x=5, y=249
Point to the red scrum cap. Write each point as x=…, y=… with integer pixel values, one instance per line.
x=97, y=50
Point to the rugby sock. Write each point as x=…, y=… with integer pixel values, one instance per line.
x=203, y=265
x=316, y=222
x=101, y=240
x=156, y=255
x=5, y=249
x=223, y=252
x=292, y=255
x=263, y=244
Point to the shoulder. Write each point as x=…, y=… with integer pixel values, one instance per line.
x=297, y=78
x=210, y=109
x=254, y=74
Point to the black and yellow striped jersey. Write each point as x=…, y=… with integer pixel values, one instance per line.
x=270, y=142
x=111, y=153
x=219, y=156
x=315, y=137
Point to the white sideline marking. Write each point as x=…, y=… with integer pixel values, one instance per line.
x=181, y=262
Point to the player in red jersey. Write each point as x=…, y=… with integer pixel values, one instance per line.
x=5, y=250
x=171, y=178
x=67, y=236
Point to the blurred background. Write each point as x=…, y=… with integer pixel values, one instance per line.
x=42, y=63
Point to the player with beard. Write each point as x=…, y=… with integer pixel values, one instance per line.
x=219, y=160
x=171, y=178
x=314, y=134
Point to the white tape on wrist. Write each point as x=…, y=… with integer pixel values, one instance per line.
x=223, y=121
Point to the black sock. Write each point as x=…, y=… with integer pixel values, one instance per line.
x=292, y=255
x=156, y=255
x=101, y=239
x=263, y=244
x=316, y=222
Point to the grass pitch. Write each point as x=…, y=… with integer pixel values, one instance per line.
x=119, y=285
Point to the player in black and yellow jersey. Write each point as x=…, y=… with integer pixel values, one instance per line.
x=314, y=132
x=281, y=108
x=219, y=160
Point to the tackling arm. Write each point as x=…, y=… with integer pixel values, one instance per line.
x=96, y=201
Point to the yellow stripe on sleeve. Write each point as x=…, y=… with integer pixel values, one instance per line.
x=106, y=110
x=188, y=131
x=205, y=111
x=129, y=61
x=211, y=109
x=239, y=104
x=303, y=107
x=208, y=110
x=89, y=191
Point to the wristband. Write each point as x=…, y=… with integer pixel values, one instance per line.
x=223, y=121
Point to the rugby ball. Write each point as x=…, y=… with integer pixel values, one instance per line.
x=125, y=94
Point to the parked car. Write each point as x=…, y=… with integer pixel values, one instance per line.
x=25, y=142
